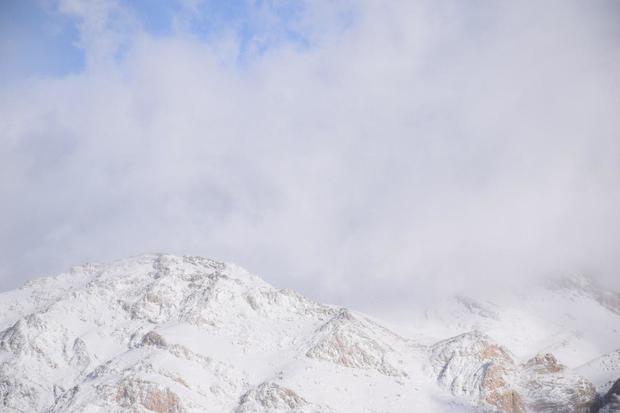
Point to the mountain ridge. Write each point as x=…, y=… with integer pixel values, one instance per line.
x=166, y=333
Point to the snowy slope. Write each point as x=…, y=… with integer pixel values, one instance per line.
x=571, y=317
x=603, y=370
x=165, y=333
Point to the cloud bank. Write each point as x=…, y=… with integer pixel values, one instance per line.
x=380, y=153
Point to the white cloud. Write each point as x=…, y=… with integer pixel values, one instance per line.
x=415, y=147
x=104, y=28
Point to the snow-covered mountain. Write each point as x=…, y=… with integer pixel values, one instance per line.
x=162, y=333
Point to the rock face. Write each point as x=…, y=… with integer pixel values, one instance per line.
x=611, y=401
x=270, y=397
x=544, y=364
x=352, y=342
x=550, y=388
x=472, y=366
x=168, y=334
x=150, y=396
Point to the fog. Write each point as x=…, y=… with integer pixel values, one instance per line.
x=381, y=154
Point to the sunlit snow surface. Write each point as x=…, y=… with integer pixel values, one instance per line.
x=187, y=334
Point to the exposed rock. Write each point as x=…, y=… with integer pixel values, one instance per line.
x=612, y=407
x=153, y=339
x=151, y=396
x=289, y=302
x=549, y=387
x=16, y=396
x=22, y=337
x=614, y=390
x=349, y=342
x=472, y=366
x=611, y=400
x=558, y=393
x=544, y=363
x=270, y=397
x=64, y=400
x=81, y=358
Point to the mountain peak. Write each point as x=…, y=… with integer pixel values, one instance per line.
x=167, y=333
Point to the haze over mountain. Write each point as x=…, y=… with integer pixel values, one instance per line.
x=374, y=154
x=164, y=333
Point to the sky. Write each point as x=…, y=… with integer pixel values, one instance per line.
x=366, y=153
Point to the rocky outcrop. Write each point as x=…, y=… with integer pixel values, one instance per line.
x=351, y=342
x=16, y=395
x=544, y=364
x=550, y=388
x=611, y=401
x=471, y=365
x=269, y=397
x=152, y=338
x=151, y=396
x=81, y=357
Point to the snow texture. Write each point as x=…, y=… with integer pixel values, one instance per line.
x=163, y=333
